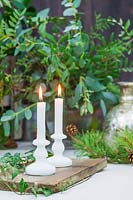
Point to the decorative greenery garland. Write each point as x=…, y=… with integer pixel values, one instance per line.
x=93, y=144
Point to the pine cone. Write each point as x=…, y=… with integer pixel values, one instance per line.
x=71, y=129
x=130, y=156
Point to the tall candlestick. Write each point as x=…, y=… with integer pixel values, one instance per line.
x=59, y=160
x=41, y=166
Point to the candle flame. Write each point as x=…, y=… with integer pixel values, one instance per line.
x=59, y=90
x=40, y=94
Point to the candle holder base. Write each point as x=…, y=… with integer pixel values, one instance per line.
x=41, y=166
x=40, y=169
x=60, y=161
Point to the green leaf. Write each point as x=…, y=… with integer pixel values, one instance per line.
x=68, y=4
x=9, y=115
x=6, y=126
x=34, y=191
x=110, y=97
x=70, y=27
x=82, y=110
x=48, y=94
x=7, y=3
x=43, y=14
x=28, y=114
x=76, y=3
x=16, y=123
x=22, y=186
x=23, y=32
x=93, y=84
x=65, y=75
x=90, y=107
x=103, y=107
x=78, y=92
x=121, y=22
x=42, y=28
x=14, y=173
x=63, y=2
x=127, y=25
x=18, y=4
x=46, y=191
x=50, y=37
x=69, y=12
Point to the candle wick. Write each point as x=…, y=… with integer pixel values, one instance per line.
x=58, y=96
x=40, y=100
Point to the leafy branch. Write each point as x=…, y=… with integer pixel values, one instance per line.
x=16, y=116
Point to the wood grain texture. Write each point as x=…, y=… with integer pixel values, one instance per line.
x=63, y=178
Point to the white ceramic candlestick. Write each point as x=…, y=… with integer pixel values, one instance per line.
x=41, y=166
x=59, y=160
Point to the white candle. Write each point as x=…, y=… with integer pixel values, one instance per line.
x=41, y=117
x=41, y=166
x=59, y=112
x=58, y=159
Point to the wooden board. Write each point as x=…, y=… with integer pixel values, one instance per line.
x=63, y=178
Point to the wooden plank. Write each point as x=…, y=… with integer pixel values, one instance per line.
x=63, y=178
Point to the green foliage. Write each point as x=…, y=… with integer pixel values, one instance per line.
x=17, y=161
x=47, y=57
x=12, y=166
x=22, y=186
x=20, y=114
x=93, y=144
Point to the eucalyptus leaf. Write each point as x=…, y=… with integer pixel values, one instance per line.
x=69, y=12
x=6, y=126
x=110, y=97
x=78, y=92
x=43, y=14
x=9, y=115
x=103, y=107
x=47, y=94
x=28, y=114
x=68, y=4
x=16, y=123
x=93, y=84
x=76, y=3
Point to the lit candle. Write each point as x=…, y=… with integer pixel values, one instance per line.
x=59, y=112
x=41, y=166
x=58, y=159
x=41, y=117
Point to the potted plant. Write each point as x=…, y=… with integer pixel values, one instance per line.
x=85, y=63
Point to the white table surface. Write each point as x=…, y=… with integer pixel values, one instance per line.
x=113, y=183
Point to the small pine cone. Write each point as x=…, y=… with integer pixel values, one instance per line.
x=130, y=156
x=71, y=129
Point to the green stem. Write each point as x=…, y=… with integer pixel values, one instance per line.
x=21, y=111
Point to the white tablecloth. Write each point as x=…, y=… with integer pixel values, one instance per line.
x=113, y=183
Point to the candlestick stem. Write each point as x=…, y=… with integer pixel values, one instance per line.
x=41, y=166
x=59, y=160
